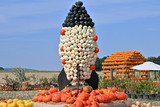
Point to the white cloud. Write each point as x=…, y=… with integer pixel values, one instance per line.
x=110, y=2
x=29, y=26
x=116, y=15
x=18, y=18
x=29, y=9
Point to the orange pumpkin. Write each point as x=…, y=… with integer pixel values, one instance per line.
x=47, y=98
x=56, y=93
x=72, y=105
x=56, y=98
x=88, y=102
x=80, y=98
x=43, y=92
x=40, y=98
x=93, y=93
x=74, y=93
x=52, y=90
x=121, y=96
x=65, y=90
x=94, y=104
x=84, y=94
x=35, y=98
x=87, y=89
x=64, y=97
x=98, y=91
x=102, y=98
x=109, y=89
x=84, y=103
x=110, y=94
x=92, y=98
x=26, y=82
x=78, y=103
x=70, y=100
x=114, y=89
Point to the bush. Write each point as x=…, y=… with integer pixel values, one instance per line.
x=20, y=74
x=1, y=68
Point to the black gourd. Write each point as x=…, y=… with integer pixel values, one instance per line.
x=78, y=16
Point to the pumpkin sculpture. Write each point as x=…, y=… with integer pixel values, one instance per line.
x=78, y=47
x=122, y=62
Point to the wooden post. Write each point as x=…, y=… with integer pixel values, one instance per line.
x=111, y=74
x=149, y=74
x=78, y=76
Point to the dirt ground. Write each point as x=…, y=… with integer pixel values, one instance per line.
x=47, y=74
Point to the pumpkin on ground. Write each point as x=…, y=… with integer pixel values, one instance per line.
x=40, y=98
x=35, y=98
x=84, y=94
x=56, y=98
x=86, y=98
x=47, y=98
x=121, y=96
x=87, y=89
x=52, y=90
x=114, y=89
x=92, y=98
x=102, y=98
x=43, y=92
x=70, y=100
x=93, y=93
x=64, y=97
x=110, y=94
x=66, y=90
x=78, y=103
x=98, y=91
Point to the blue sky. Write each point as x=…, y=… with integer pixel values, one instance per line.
x=29, y=29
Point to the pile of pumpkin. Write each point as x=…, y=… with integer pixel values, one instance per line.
x=85, y=98
x=3, y=100
x=16, y=103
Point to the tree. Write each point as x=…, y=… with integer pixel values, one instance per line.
x=98, y=63
x=157, y=61
x=154, y=59
x=1, y=68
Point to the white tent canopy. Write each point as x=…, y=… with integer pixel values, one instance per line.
x=147, y=66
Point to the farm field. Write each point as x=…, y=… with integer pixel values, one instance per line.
x=47, y=74
x=40, y=74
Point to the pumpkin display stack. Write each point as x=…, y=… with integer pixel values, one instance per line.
x=144, y=74
x=121, y=62
x=78, y=47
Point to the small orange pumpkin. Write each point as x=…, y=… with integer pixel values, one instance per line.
x=121, y=96
x=35, y=98
x=70, y=100
x=92, y=98
x=78, y=103
x=52, y=90
x=56, y=98
x=47, y=98
x=87, y=89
